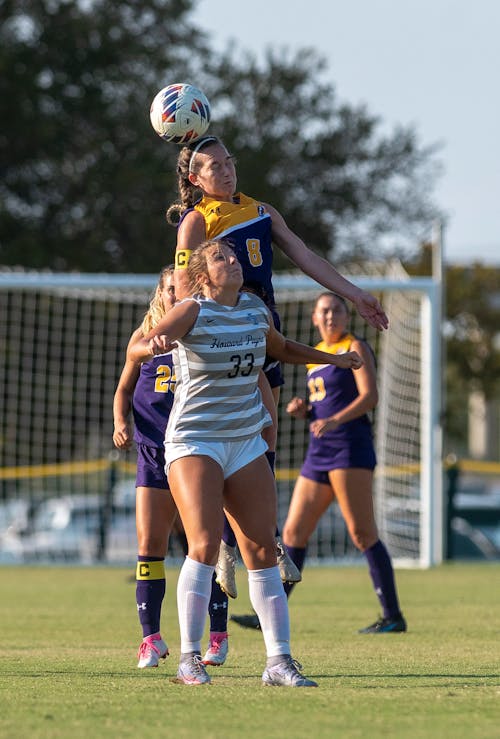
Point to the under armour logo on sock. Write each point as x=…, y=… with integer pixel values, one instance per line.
x=142, y=606
x=215, y=606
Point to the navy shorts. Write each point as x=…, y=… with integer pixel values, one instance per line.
x=272, y=370
x=352, y=455
x=151, y=467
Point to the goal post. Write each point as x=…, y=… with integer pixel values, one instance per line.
x=397, y=383
x=62, y=344
x=407, y=422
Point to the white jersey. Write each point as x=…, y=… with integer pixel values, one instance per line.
x=216, y=367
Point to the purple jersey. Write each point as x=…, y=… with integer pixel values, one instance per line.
x=152, y=401
x=330, y=389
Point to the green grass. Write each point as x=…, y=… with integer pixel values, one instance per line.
x=68, y=640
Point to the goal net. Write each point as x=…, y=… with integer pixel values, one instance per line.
x=65, y=494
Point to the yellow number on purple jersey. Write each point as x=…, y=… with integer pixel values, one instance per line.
x=165, y=379
x=316, y=387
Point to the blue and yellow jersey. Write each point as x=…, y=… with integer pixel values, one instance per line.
x=246, y=226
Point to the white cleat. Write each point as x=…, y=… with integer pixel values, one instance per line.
x=287, y=674
x=225, y=569
x=192, y=672
x=289, y=572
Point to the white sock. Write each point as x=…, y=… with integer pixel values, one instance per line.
x=193, y=594
x=269, y=602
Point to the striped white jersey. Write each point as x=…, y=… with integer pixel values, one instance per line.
x=216, y=367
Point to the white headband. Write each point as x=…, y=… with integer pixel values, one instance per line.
x=198, y=146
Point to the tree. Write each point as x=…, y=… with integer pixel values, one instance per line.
x=342, y=185
x=473, y=320
x=85, y=181
x=471, y=334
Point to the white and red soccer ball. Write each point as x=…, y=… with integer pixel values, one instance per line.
x=180, y=113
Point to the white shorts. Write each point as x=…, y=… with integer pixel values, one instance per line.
x=231, y=456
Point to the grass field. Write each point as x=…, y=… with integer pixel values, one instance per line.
x=68, y=668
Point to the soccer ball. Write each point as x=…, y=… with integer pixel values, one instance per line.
x=180, y=113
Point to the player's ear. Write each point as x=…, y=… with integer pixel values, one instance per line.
x=193, y=179
x=202, y=281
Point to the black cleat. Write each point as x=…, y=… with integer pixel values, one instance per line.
x=248, y=621
x=385, y=626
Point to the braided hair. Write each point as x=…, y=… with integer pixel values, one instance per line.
x=186, y=165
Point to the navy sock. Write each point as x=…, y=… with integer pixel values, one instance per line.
x=228, y=534
x=297, y=555
x=182, y=538
x=217, y=607
x=149, y=592
x=271, y=458
x=382, y=576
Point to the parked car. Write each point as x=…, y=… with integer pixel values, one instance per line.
x=14, y=520
x=474, y=517
x=73, y=528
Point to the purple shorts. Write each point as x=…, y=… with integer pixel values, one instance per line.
x=351, y=455
x=151, y=467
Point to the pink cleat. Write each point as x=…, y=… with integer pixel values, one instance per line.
x=151, y=651
x=217, y=649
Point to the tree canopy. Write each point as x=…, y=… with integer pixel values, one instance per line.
x=471, y=337
x=85, y=180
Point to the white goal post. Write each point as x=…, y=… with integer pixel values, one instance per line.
x=62, y=343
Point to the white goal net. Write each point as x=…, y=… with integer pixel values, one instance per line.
x=66, y=495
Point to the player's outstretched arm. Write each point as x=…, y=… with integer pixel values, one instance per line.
x=325, y=273
x=293, y=352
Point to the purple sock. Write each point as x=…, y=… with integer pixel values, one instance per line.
x=149, y=594
x=217, y=607
x=382, y=576
x=297, y=555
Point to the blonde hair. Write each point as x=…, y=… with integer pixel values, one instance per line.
x=156, y=310
x=187, y=164
x=197, y=265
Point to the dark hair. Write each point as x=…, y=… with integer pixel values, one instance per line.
x=186, y=165
x=328, y=294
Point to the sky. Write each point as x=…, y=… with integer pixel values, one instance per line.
x=433, y=64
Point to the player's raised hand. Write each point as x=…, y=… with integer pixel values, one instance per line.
x=370, y=309
x=297, y=408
